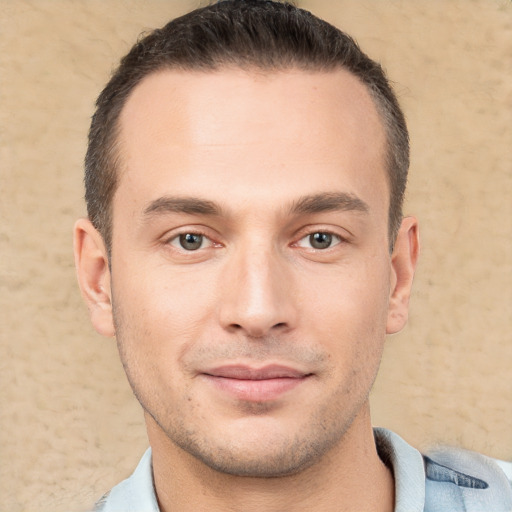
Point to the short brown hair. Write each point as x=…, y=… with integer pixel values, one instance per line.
x=248, y=34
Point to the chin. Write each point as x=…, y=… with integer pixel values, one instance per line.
x=273, y=463
x=259, y=450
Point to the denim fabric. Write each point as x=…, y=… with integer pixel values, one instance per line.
x=477, y=484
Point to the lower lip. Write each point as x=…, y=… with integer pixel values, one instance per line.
x=256, y=390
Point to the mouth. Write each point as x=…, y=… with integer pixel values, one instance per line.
x=255, y=384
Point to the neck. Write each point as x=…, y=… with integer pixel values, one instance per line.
x=350, y=477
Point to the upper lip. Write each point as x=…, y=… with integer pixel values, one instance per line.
x=243, y=372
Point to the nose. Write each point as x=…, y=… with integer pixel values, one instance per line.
x=257, y=294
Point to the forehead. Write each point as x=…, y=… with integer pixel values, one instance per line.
x=252, y=132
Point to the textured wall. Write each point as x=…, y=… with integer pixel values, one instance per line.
x=70, y=427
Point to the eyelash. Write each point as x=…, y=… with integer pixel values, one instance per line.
x=194, y=232
x=333, y=237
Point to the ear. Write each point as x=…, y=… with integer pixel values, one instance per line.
x=403, y=264
x=91, y=261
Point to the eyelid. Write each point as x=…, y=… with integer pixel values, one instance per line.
x=193, y=230
x=334, y=244
x=175, y=242
x=307, y=231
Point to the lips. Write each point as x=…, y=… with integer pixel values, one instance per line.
x=255, y=384
x=247, y=373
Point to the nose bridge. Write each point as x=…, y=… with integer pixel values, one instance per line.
x=257, y=292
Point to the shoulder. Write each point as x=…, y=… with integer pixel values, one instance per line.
x=444, y=480
x=465, y=480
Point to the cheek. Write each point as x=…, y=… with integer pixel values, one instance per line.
x=161, y=314
x=349, y=301
x=162, y=299
x=347, y=314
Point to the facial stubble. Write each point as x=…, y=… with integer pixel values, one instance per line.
x=253, y=455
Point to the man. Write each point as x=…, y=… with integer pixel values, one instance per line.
x=246, y=246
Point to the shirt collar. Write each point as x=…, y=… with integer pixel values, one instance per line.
x=408, y=470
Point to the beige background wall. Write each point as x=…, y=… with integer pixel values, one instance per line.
x=70, y=427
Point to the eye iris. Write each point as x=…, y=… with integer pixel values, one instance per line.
x=320, y=240
x=190, y=241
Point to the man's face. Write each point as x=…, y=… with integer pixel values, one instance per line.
x=250, y=271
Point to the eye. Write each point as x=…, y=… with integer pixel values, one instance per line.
x=319, y=240
x=190, y=241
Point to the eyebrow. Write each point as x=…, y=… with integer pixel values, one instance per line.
x=187, y=205
x=313, y=203
x=329, y=202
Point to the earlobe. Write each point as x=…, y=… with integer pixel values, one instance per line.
x=403, y=263
x=91, y=261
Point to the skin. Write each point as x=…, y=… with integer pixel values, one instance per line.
x=254, y=163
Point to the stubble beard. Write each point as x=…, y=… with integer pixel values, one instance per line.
x=258, y=457
x=270, y=457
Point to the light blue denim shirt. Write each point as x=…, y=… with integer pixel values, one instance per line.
x=444, y=481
